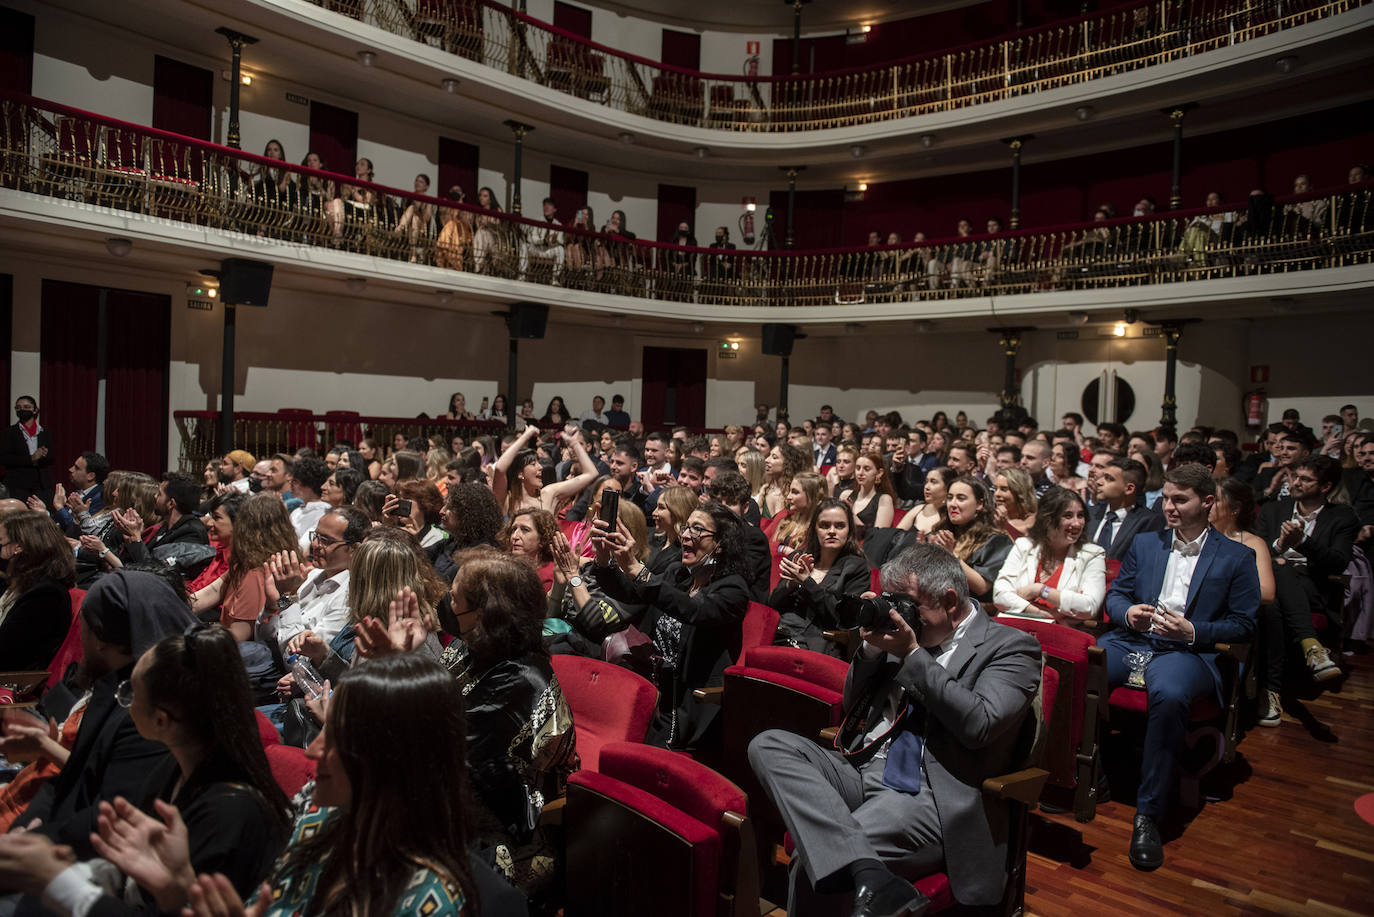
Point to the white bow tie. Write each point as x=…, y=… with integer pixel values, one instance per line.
x=1187, y=549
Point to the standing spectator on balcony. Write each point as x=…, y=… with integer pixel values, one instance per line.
x=316, y=193
x=455, y=238
x=273, y=190
x=486, y=239
x=416, y=219
x=721, y=268
x=24, y=452
x=1304, y=216
x=613, y=254
x=458, y=408
x=353, y=202
x=682, y=263
x=543, y=242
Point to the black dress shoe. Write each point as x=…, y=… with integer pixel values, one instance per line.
x=895, y=897
x=1147, y=850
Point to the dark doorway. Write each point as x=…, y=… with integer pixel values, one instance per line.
x=334, y=135
x=6, y=338
x=183, y=97
x=674, y=391
x=457, y=166
x=136, y=351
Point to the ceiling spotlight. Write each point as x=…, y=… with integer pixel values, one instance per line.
x=1078, y=318
x=1119, y=329
x=118, y=247
x=1286, y=63
x=863, y=186
x=701, y=152
x=857, y=150
x=355, y=284
x=1084, y=112
x=1132, y=316
x=450, y=84
x=367, y=58
x=927, y=140
x=625, y=137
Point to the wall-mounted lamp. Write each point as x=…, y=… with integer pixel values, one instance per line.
x=355, y=284
x=1084, y=112
x=367, y=58
x=118, y=247
x=701, y=152
x=450, y=84
x=1119, y=330
x=625, y=137
x=927, y=140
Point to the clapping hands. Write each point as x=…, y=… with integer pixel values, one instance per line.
x=402, y=632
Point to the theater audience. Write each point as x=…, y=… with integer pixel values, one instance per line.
x=926, y=516
x=673, y=508
x=488, y=250
x=530, y=535
x=804, y=496
x=425, y=511
x=455, y=235
x=518, y=476
x=970, y=533
x=1118, y=512
x=783, y=462
x=577, y=599
x=1053, y=573
x=314, y=600
x=695, y=611
x=260, y=529
x=416, y=219
x=829, y=564
x=35, y=608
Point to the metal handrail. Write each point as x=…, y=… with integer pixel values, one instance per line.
x=1143, y=34
x=141, y=173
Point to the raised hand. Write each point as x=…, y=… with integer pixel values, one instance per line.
x=59, y=499
x=403, y=631
x=564, y=559
x=93, y=544
x=29, y=861
x=214, y=896
x=36, y=504
x=78, y=506
x=154, y=852
x=287, y=570
x=944, y=538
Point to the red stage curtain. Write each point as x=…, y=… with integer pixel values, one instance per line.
x=334, y=136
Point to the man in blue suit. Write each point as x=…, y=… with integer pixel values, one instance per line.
x=1179, y=593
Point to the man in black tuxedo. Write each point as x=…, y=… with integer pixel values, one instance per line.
x=24, y=451
x=1117, y=515
x=1311, y=540
x=928, y=716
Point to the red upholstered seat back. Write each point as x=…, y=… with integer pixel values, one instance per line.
x=675, y=779
x=816, y=669
x=875, y=580
x=759, y=628
x=70, y=651
x=291, y=768
x=609, y=704
x=266, y=731
x=897, y=515
x=1072, y=646
x=1113, y=568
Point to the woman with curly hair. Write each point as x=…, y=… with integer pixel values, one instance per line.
x=530, y=535
x=471, y=517
x=695, y=611
x=784, y=462
x=261, y=528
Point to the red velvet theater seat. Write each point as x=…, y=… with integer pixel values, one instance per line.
x=609, y=704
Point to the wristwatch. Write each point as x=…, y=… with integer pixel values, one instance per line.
x=574, y=581
x=1045, y=593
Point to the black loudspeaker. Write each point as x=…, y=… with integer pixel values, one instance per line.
x=243, y=282
x=777, y=340
x=527, y=320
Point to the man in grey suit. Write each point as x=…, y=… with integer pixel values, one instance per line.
x=929, y=713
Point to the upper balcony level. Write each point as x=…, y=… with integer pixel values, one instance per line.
x=78, y=175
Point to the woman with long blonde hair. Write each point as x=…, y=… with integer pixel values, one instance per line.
x=806, y=492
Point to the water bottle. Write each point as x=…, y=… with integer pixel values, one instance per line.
x=307, y=679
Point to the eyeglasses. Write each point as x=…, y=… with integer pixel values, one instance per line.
x=124, y=694
x=697, y=531
x=324, y=540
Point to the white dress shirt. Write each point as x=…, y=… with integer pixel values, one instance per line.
x=321, y=606
x=1308, y=523
x=942, y=653
x=1178, y=572
x=1120, y=515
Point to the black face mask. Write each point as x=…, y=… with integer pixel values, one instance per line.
x=26, y=416
x=720, y=238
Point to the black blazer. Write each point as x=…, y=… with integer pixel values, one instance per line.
x=109, y=759
x=23, y=476
x=988, y=561
x=188, y=530
x=1328, y=551
x=807, y=609
x=1139, y=518
x=711, y=627
x=760, y=562
x=35, y=628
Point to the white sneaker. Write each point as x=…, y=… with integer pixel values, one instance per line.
x=1271, y=714
x=1320, y=665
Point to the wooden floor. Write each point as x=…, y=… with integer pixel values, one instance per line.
x=1282, y=839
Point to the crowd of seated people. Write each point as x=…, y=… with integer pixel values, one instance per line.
x=414, y=576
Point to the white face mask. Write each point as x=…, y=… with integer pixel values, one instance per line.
x=1139, y=211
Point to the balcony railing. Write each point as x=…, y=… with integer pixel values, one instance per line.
x=70, y=155
x=1086, y=48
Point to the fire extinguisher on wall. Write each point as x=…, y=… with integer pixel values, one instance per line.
x=1256, y=406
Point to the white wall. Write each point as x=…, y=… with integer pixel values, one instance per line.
x=1052, y=389
x=852, y=404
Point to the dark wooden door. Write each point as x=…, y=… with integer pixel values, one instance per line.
x=674, y=392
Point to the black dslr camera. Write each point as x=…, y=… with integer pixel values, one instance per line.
x=872, y=614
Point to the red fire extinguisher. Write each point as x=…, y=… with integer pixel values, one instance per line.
x=1255, y=408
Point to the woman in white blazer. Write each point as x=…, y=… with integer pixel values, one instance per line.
x=1052, y=573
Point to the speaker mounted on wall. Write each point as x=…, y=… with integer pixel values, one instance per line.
x=527, y=320
x=777, y=340
x=243, y=282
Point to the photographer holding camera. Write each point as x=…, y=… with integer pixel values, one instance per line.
x=935, y=701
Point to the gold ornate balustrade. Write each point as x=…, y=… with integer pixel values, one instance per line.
x=1089, y=47
x=87, y=160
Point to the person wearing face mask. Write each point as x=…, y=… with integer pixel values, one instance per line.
x=1053, y=573
x=695, y=610
x=24, y=451
x=720, y=267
